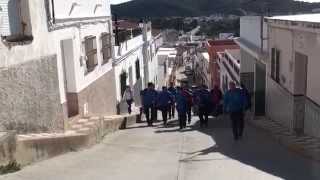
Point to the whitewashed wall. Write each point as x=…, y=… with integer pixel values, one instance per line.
x=48, y=43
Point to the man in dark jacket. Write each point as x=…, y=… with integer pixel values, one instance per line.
x=216, y=95
x=149, y=100
x=235, y=104
x=182, y=107
x=163, y=103
x=188, y=94
x=204, y=103
x=172, y=108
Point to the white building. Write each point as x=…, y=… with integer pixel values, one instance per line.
x=136, y=60
x=254, y=54
x=229, y=63
x=55, y=62
x=166, y=57
x=293, y=85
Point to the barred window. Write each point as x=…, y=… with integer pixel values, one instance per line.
x=106, y=47
x=91, y=53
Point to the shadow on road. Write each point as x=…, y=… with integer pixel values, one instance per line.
x=256, y=149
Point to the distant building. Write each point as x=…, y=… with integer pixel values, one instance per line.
x=229, y=65
x=225, y=36
x=202, y=69
x=213, y=47
x=293, y=87
x=166, y=59
x=56, y=63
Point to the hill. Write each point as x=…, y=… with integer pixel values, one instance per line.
x=167, y=8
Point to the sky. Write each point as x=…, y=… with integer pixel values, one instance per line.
x=121, y=1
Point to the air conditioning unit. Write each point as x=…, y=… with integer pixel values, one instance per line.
x=10, y=18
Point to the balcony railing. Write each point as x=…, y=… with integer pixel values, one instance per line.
x=125, y=35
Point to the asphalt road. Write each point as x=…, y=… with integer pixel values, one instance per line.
x=157, y=153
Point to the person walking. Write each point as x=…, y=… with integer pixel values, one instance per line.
x=188, y=94
x=149, y=100
x=247, y=95
x=181, y=106
x=235, y=104
x=216, y=95
x=172, y=108
x=163, y=103
x=204, y=103
x=128, y=97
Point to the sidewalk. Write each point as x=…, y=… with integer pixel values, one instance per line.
x=305, y=145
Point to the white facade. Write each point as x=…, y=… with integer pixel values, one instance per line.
x=298, y=79
x=59, y=28
x=48, y=43
x=137, y=58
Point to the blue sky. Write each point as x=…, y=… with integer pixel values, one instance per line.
x=121, y=1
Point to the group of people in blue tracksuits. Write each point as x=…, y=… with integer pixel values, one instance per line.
x=204, y=103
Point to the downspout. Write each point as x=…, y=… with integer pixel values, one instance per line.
x=53, y=12
x=261, y=33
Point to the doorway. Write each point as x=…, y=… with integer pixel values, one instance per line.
x=67, y=55
x=260, y=89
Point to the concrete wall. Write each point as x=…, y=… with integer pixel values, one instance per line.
x=250, y=30
x=30, y=100
x=312, y=116
x=99, y=98
x=280, y=104
x=282, y=39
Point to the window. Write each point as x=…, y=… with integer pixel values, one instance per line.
x=275, y=65
x=106, y=47
x=138, y=69
x=123, y=82
x=91, y=53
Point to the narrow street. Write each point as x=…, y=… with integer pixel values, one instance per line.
x=170, y=154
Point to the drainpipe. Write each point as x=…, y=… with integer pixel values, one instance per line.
x=117, y=29
x=53, y=12
x=145, y=52
x=261, y=33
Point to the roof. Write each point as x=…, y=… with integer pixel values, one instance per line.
x=125, y=24
x=221, y=42
x=313, y=18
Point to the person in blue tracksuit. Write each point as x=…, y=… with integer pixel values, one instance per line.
x=149, y=100
x=204, y=105
x=235, y=104
x=163, y=103
x=182, y=108
x=173, y=92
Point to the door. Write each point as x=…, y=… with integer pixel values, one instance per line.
x=67, y=55
x=301, y=76
x=260, y=89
